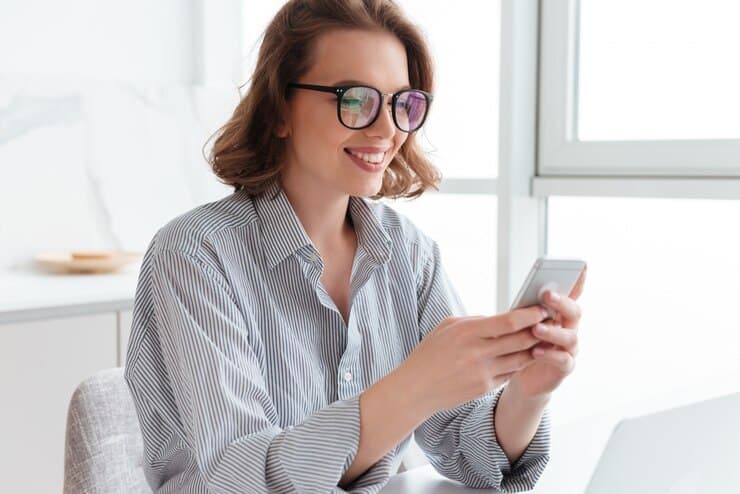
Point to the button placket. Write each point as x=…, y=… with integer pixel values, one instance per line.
x=349, y=373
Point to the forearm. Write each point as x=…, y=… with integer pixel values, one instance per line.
x=516, y=420
x=389, y=411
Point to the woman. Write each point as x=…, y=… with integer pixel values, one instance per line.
x=293, y=335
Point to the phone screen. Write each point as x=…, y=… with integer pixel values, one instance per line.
x=559, y=275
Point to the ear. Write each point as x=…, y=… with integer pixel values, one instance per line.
x=282, y=130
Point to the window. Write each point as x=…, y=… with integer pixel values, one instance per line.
x=638, y=101
x=639, y=88
x=658, y=70
x=659, y=301
x=462, y=131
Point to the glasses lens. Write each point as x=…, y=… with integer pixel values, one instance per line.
x=411, y=109
x=358, y=106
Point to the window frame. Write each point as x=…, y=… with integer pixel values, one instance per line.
x=562, y=155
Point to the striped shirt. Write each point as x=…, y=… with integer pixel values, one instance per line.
x=246, y=378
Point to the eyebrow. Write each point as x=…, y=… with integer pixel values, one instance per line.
x=350, y=82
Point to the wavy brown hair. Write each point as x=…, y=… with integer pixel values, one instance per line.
x=247, y=154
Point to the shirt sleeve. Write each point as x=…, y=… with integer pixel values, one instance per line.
x=461, y=442
x=228, y=417
x=374, y=478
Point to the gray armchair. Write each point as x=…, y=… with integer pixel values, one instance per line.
x=103, y=451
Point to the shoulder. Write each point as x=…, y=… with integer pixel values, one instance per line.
x=193, y=231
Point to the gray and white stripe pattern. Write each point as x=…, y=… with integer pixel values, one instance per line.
x=246, y=378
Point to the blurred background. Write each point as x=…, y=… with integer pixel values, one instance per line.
x=601, y=130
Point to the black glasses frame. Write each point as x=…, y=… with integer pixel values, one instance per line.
x=340, y=90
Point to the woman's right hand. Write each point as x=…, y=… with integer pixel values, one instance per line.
x=464, y=358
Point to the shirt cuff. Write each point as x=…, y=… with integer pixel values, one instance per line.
x=316, y=454
x=377, y=476
x=479, y=442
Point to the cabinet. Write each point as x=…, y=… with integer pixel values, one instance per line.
x=41, y=364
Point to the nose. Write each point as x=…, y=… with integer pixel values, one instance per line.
x=383, y=126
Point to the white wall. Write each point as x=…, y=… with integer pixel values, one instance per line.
x=104, y=109
x=136, y=40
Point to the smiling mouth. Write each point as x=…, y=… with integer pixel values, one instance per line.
x=370, y=158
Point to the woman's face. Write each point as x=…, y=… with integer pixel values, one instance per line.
x=318, y=146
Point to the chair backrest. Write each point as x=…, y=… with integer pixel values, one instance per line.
x=103, y=450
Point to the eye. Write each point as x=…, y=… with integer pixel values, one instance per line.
x=351, y=103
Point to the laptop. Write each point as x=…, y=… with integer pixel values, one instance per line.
x=693, y=449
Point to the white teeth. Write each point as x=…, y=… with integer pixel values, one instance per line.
x=370, y=158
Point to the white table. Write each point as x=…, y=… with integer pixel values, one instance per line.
x=576, y=449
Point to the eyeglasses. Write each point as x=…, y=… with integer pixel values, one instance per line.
x=358, y=107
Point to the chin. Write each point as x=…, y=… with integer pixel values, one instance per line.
x=366, y=189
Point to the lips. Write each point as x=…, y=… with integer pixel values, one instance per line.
x=366, y=165
x=371, y=155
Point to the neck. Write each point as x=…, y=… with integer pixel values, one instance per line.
x=323, y=214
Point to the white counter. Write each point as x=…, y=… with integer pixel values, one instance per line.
x=28, y=294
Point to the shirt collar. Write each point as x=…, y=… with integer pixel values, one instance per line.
x=283, y=234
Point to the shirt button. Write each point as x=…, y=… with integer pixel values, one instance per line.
x=348, y=376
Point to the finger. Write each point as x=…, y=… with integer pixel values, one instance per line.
x=568, y=310
x=512, y=343
x=511, y=363
x=573, y=351
x=453, y=321
x=557, y=335
x=511, y=322
x=561, y=359
x=578, y=288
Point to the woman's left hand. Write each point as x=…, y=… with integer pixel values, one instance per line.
x=556, y=353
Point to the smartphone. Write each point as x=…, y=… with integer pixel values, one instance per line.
x=559, y=275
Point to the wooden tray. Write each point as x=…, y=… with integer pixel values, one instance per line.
x=85, y=261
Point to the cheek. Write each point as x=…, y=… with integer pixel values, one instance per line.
x=320, y=133
x=401, y=138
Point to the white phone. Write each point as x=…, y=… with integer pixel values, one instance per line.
x=559, y=275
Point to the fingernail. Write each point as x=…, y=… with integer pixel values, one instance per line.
x=555, y=297
x=540, y=329
x=538, y=352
